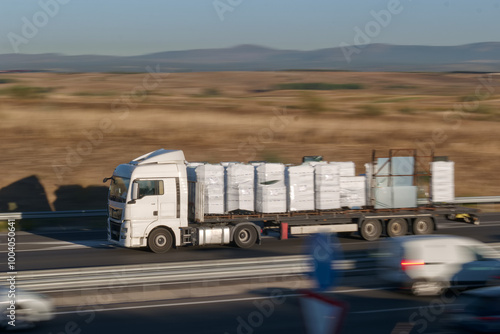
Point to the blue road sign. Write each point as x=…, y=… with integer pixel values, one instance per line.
x=325, y=249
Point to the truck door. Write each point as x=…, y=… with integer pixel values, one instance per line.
x=144, y=210
x=169, y=200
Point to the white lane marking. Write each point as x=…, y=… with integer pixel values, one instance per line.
x=204, y=302
x=62, y=245
x=387, y=310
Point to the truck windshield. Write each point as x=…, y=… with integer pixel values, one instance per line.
x=118, y=189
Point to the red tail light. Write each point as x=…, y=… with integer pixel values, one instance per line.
x=411, y=263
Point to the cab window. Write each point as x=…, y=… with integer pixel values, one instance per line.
x=150, y=188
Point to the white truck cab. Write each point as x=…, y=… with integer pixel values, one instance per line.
x=149, y=205
x=151, y=191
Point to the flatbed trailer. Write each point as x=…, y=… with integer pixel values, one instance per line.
x=370, y=223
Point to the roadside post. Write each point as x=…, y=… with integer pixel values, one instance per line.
x=322, y=314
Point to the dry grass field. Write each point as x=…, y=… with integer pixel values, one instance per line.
x=71, y=130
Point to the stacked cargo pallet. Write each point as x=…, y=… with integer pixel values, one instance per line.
x=352, y=187
x=276, y=188
x=300, y=187
x=240, y=179
x=270, y=188
x=327, y=186
x=443, y=181
x=212, y=177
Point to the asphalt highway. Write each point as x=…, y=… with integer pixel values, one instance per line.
x=373, y=307
x=370, y=310
x=89, y=248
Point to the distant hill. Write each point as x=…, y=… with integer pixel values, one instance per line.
x=479, y=57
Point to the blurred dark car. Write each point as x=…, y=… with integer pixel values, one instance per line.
x=475, y=311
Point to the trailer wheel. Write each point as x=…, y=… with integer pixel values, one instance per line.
x=160, y=240
x=397, y=227
x=371, y=229
x=245, y=236
x=423, y=225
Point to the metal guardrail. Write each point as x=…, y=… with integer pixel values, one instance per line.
x=53, y=214
x=182, y=272
x=101, y=213
x=470, y=200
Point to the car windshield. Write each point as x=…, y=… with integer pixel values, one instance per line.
x=118, y=189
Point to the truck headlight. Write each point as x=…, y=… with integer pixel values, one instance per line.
x=124, y=229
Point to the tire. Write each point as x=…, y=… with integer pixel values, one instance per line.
x=245, y=236
x=371, y=229
x=423, y=225
x=428, y=288
x=397, y=227
x=160, y=240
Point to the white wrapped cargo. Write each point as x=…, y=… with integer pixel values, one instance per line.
x=270, y=174
x=347, y=168
x=240, y=182
x=300, y=187
x=270, y=199
x=352, y=191
x=327, y=186
x=443, y=181
x=212, y=177
x=270, y=196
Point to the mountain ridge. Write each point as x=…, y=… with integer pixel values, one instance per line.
x=476, y=57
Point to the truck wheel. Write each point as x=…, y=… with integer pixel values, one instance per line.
x=245, y=236
x=371, y=229
x=423, y=225
x=160, y=240
x=397, y=227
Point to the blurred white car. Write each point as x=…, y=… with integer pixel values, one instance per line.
x=30, y=308
x=429, y=264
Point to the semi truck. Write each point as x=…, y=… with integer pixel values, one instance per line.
x=151, y=203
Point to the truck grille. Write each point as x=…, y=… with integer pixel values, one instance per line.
x=115, y=230
x=115, y=213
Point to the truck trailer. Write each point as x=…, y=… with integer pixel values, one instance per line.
x=153, y=203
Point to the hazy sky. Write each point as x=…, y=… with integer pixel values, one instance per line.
x=133, y=27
